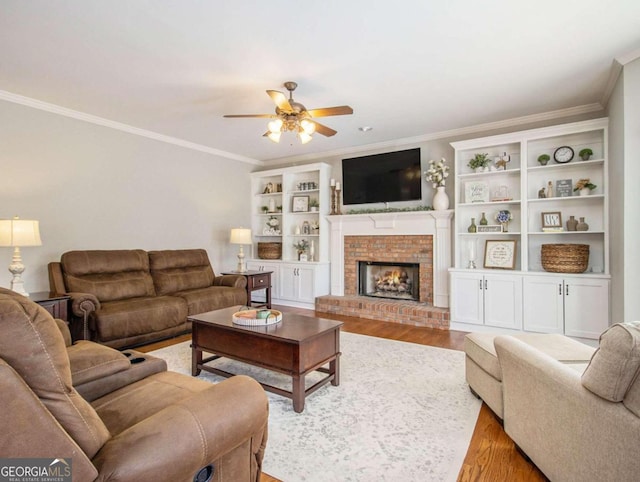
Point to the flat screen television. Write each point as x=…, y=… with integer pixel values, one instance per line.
x=387, y=177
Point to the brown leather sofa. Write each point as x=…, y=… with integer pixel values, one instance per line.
x=124, y=298
x=155, y=426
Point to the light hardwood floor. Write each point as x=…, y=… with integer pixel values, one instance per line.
x=491, y=456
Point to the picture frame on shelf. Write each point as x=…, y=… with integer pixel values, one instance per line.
x=476, y=192
x=564, y=188
x=551, y=220
x=490, y=228
x=500, y=254
x=300, y=204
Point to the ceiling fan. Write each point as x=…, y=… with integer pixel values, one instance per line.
x=293, y=116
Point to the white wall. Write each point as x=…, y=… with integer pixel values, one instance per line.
x=92, y=187
x=624, y=173
x=616, y=198
x=631, y=199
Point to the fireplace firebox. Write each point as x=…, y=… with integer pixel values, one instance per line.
x=399, y=281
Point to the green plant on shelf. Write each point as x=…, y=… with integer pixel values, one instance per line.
x=479, y=160
x=584, y=184
x=585, y=154
x=389, y=210
x=301, y=246
x=543, y=159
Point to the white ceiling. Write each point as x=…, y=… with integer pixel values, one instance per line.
x=408, y=68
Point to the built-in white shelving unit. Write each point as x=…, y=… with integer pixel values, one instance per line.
x=528, y=297
x=282, y=212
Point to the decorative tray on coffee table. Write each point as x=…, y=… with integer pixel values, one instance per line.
x=257, y=317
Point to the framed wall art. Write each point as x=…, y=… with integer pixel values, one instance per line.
x=300, y=204
x=551, y=219
x=476, y=192
x=500, y=254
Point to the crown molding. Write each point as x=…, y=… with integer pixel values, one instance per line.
x=614, y=73
x=616, y=69
x=402, y=142
x=92, y=119
x=624, y=59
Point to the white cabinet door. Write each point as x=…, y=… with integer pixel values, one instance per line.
x=306, y=284
x=298, y=283
x=503, y=301
x=467, y=292
x=543, y=304
x=288, y=282
x=586, y=306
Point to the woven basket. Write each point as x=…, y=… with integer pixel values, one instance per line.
x=565, y=258
x=269, y=250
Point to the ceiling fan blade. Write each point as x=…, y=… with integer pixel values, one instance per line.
x=266, y=116
x=281, y=100
x=324, y=130
x=328, y=111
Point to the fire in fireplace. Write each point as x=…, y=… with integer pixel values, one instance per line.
x=398, y=281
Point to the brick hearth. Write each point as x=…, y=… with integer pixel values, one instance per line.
x=406, y=312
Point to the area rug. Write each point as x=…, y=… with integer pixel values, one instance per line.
x=402, y=412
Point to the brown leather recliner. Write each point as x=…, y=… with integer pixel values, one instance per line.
x=163, y=427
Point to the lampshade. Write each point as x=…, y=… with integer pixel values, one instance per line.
x=304, y=137
x=19, y=232
x=240, y=236
x=308, y=126
x=275, y=125
x=274, y=136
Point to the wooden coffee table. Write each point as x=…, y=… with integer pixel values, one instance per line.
x=296, y=346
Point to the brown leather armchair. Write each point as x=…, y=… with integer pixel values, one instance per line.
x=163, y=427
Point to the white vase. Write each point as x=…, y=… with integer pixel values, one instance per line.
x=585, y=192
x=440, y=199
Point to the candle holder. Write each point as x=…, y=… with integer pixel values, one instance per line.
x=334, y=201
x=472, y=254
x=337, y=199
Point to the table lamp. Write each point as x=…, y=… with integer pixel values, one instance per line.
x=17, y=233
x=240, y=236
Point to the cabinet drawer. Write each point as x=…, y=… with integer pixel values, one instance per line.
x=260, y=281
x=57, y=308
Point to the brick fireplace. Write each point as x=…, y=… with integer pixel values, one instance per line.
x=390, y=249
x=423, y=238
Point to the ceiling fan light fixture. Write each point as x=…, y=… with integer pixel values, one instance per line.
x=308, y=126
x=304, y=137
x=294, y=116
x=275, y=126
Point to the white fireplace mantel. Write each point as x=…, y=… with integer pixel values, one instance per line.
x=434, y=223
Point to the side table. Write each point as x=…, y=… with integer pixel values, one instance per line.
x=58, y=306
x=257, y=280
